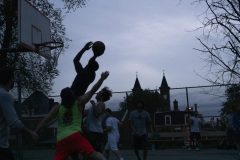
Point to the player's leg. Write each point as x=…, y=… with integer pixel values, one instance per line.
x=136, y=145
x=62, y=149
x=145, y=146
x=82, y=145
x=113, y=144
x=118, y=154
x=107, y=150
x=191, y=140
x=198, y=137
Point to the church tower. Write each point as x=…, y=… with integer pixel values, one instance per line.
x=137, y=87
x=165, y=95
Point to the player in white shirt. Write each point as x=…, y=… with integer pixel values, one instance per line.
x=113, y=135
x=195, y=123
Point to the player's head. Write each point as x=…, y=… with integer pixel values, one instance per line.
x=67, y=97
x=7, y=77
x=104, y=95
x=92, y=65
x=100, y=108
x=140, y=105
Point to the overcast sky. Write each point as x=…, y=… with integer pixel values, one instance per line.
x=147, y=37
x=140, y=36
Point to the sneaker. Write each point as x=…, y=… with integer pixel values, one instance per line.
x=197, y=149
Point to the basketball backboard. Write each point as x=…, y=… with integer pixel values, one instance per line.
x=33, y=27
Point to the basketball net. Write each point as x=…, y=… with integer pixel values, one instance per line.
x=44, y=50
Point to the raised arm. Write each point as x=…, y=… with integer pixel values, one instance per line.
x=76, y=60
x=52, y=114
x=86, y=97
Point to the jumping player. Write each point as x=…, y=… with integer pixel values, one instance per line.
x=85, y=76
x=69, y=136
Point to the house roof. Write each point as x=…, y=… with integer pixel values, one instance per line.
x=34, y=94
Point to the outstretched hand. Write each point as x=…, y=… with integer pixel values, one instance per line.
x=88, y=45
x=105, y=74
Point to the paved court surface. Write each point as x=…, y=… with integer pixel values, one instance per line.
x=168, y=154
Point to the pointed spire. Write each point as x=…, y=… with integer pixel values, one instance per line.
x=137, y=85
x=164, y=82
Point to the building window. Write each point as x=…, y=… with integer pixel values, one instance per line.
x=167, y=120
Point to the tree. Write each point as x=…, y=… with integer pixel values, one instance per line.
x=232, y=101
x=32, y=71
x=150, y=98
x=221, y=42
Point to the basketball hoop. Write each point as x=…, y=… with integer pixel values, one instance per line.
x=48, y=46
x=44, y=49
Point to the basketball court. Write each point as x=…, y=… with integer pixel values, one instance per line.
x=34, y=35
x=168, y=154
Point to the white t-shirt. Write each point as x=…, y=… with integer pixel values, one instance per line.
x=94, y=124
x=195, y=124
x=113, y=123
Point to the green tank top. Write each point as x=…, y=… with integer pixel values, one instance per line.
x=68, y=123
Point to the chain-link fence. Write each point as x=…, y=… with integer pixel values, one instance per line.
x=170, y=126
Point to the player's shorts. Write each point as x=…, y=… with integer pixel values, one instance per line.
x=140, y=142
x=195, y=135
x=97, y=140
x=112, y=144
x=74, y=143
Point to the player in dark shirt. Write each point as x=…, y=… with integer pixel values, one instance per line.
x=85, y=76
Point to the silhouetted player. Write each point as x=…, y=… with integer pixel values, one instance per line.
x=85, y=76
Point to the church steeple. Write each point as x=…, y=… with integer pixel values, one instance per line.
x=164, y=83
x=165, y=94
x=137, y=86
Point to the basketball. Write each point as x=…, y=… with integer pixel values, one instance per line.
x=98, y=48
